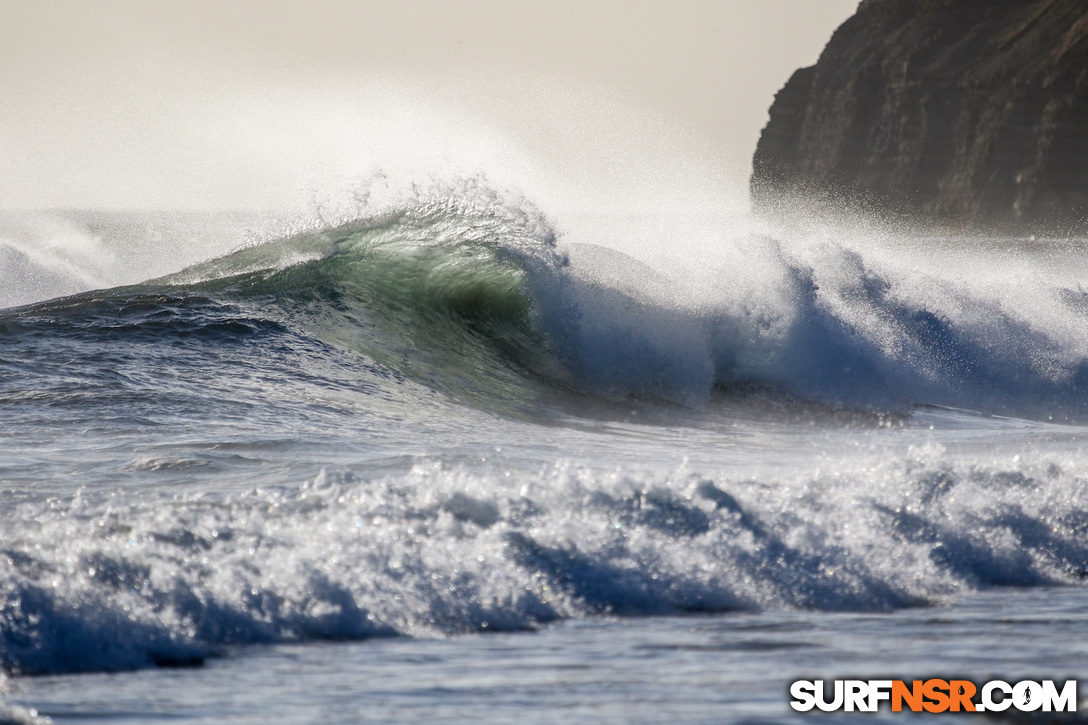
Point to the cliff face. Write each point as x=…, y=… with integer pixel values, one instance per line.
x=969, y=114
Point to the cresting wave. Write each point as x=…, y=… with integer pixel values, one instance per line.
x=473, y=294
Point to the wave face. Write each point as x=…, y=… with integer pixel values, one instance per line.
x=445, y=419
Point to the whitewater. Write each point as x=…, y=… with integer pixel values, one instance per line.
x=444, y=458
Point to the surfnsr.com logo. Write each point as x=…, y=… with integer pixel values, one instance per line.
x=934, y=695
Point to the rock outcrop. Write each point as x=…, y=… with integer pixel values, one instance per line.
x=962, y=114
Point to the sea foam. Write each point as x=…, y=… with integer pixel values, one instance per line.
x=168, y=579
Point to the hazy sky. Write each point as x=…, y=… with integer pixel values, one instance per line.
x=272, y=103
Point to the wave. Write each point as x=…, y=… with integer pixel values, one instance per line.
x=476, y=296
x=171, y=579
x=478, y=289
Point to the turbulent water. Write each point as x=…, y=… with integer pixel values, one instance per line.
x=446, y=418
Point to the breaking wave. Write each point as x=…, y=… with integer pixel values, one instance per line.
x=475, y=294
x=436, y=550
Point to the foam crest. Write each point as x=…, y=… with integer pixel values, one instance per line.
x=98, y=584
x=616, y=324
x=866, y=323
x=855, y=322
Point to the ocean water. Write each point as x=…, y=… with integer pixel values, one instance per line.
x=444, y=459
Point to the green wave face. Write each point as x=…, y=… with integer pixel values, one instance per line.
x=438, y=292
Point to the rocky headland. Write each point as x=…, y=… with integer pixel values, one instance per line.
x=958, y=114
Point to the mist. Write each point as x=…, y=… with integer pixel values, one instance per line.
x=292, y=106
